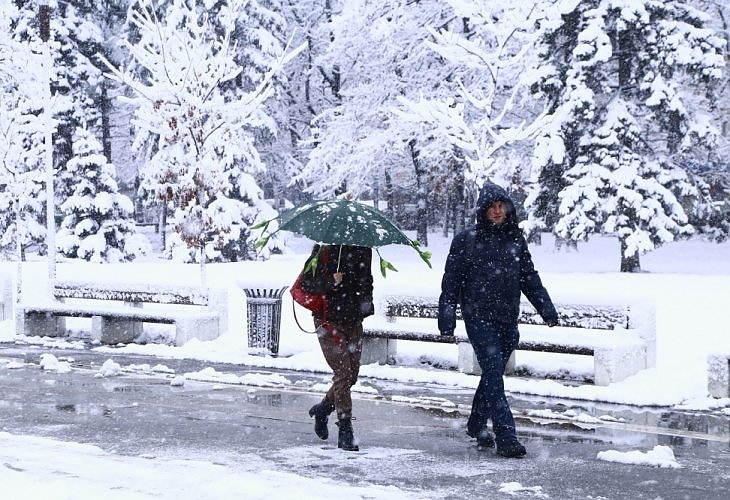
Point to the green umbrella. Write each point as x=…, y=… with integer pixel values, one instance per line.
x=344, y=222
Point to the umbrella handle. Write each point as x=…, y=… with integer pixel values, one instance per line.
x=339, y=256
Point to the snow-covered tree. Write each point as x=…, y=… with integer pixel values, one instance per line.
x=261, y=32
x=22, y=179
x=626, y=88
x=97, y=224
x=22, y=200
x=359, y=143
x=203, y=157
x=309, y=89
x=487, y=109
x=94, y=28
x=427, y=93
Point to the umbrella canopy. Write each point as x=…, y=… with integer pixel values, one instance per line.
x=344, y=222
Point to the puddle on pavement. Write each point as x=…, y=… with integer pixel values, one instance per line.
x=678, y=421
x=128, y=388
x=264, y=399
x=84, y=409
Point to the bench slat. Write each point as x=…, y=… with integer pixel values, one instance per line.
x=408, y=335
x=144, y=315
x=131, y=292
x=571, y=315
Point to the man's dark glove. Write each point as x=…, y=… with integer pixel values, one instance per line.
x=552, y=322
x=447, y=333
x=367, y=308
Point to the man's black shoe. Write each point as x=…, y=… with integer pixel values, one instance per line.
x=511, y=449
x=485, y=439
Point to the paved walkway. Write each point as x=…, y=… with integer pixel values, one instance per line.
x=411, y=436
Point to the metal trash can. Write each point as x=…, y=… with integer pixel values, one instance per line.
x=264, y=318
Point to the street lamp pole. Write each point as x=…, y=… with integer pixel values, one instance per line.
x=44, y=21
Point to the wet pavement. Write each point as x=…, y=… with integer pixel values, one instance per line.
x=411, y=435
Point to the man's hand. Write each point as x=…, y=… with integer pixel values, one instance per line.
x=552, y=322
x=447, y=333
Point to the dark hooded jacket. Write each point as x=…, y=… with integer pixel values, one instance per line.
x=487, y=268
x=352, y=300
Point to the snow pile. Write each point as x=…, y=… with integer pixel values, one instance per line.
x=51, y=363
x=110, y=368
x=515, y=488
x=11, y=364
x=571, y=415
x=210, y=374
x=660, y=456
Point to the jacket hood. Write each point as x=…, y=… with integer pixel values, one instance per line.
x=490, y=193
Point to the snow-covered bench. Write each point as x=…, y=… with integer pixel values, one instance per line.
x=620, y=337
x=718, y=374
x=118, y=310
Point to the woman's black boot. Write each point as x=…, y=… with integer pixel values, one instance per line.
x=346, y=440
x=320, y=412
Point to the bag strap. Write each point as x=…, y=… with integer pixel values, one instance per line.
x=325, y=324
x=294, y=310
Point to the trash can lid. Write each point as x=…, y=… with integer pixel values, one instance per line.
x=263, y=291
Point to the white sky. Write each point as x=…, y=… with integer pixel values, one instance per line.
x=687, y=281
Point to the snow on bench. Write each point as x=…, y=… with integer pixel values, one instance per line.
x=118, y=310
x=620, y=337
x=718, y=374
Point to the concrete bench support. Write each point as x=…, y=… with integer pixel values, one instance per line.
x=111, y=330
x=378, y=350
x=469, y=364
x=45, y=323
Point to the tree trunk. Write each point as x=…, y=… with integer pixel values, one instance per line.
x=389, y=196
x=449, y=211
x=630, y=263
x=106, y=108
x=460, y=208
x=421, y=197
x=568, y=244
x=163, y=224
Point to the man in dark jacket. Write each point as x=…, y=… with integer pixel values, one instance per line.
x=343, y=275
x=488, y=267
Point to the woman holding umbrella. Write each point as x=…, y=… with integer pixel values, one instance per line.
x=343, y=275
x=348, y=230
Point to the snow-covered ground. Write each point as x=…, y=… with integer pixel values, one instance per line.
x=688, y=282
x=67, y=470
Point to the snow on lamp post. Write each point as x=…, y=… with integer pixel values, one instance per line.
x=44, y=21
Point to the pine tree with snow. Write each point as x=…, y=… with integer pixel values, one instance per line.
x=626, y=84
x=97, y=224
